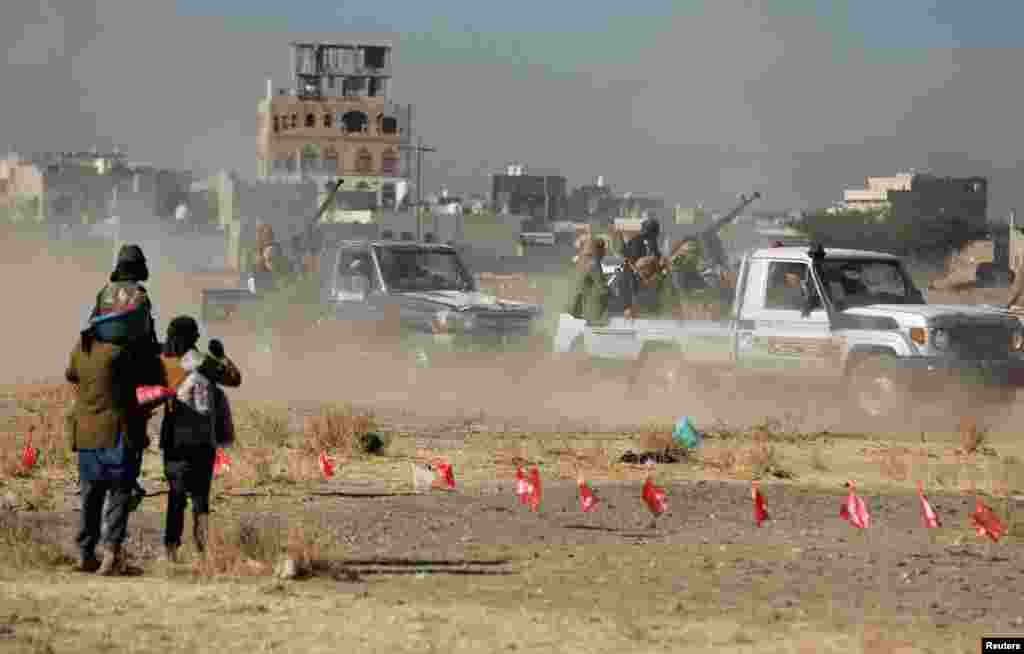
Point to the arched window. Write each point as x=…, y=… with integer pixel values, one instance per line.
x=389, y=163
x=310, y=120
x=388, y=125
x=364, y=162
x=354, y=122
x=295, y=121
x=328, y=120
x=310, y=159
x=331, y=161
x=277, y=125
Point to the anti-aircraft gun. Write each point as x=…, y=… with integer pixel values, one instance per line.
x=708, y=236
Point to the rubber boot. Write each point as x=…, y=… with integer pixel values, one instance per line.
x=87, y=562
x=170, y=554
x=201, y=530
x=113, y=561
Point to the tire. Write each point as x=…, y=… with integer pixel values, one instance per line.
x=877, y=392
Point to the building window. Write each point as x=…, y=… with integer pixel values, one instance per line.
x=328, y=120
x=388, y=124
x=389, y=163
x=354, y=122
x=295, y=121
x=277, y=125
x=310, y=120
x=364, y=162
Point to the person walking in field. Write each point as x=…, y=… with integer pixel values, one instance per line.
x=196, y=422
x=103, y=430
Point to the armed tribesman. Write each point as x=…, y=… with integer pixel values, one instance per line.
x=590, y=300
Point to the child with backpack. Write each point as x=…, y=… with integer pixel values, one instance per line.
x=197, y=421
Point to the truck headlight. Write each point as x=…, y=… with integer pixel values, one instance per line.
x=940, y=339
x=1017, y=340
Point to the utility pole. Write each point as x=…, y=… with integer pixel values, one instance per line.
x=419, y=149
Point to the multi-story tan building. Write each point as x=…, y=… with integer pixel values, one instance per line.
x=337, y=120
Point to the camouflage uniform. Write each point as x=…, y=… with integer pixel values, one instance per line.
x=590, y=300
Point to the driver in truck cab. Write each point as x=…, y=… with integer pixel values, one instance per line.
x=785, y=287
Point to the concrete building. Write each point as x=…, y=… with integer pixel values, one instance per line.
x=913, y=197
x=876, y=194
x=337, y=120
x=542, y=197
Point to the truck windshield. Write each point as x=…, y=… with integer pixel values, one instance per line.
x=862, y=282
x=409, y=269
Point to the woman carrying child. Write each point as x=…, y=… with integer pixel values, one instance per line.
x=196, y=422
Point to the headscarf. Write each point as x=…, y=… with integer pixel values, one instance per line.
x=130, y=266
x=182, y=336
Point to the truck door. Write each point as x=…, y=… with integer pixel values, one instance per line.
x=356, y=286
x=772, y=333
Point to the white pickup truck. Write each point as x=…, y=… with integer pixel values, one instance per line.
x=850, y=318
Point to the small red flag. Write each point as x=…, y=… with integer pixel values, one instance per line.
x=588, y=501
x=326, y=465
x=986, y=522
x=29, y=455
x=445, y=473
x=854, y=510
x=148, y=396
x=654, y=497
x=524, y=489
x=760, y=507
x=221, y=463
x=535, y=489
x=929, y=518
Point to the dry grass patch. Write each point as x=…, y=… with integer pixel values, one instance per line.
x=21, y=549
x=270, y=427
x=247, y=548
x=591, y=463
x=344, y=431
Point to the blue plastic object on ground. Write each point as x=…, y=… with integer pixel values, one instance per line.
x=685, y=434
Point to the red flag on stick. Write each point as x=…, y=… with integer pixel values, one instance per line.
x=445, y=473
x=854, y=510
x=588, y=501
x=524, y=489
x=929, y=518
x=326, y=465
x=221, y=463
x=760, y=507
x=986, y=522
x=29, y=455
x=654, y=498
x=535, y=489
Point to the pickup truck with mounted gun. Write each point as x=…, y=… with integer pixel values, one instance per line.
x=425, y=286
x=850, y=319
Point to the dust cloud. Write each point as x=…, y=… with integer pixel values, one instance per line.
x=53, y=287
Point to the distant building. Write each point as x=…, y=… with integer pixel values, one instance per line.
x=337, y=120
x=536, y=196
x=76, y=187
x=876, y=195
x=913, y=197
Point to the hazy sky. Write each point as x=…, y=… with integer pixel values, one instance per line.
x=696, y=100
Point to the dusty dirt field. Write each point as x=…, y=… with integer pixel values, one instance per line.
x=472, y=570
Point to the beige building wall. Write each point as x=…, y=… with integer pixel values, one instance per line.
x=329, y=136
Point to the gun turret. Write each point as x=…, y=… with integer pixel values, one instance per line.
x=708, y=235
x=311, y=227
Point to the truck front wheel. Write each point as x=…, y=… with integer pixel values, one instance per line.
x=877, y=390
